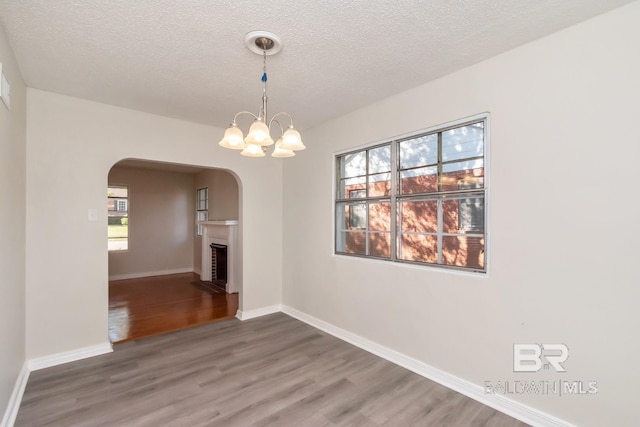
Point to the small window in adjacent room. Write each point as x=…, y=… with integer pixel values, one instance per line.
x=202, y=208
x=118, y=218
x=418, y=199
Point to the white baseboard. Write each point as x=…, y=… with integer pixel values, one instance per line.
x=197, y=270
x=11, y=412
x=512, y=408
x=150, y=274
x=68, y=356
x=258, y=312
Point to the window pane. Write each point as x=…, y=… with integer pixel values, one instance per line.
x=117, y=192
x=202, y=199
x=353, y=164
x=463, y=142
x=419, y=247
x=118, y=244
x=469, y=182
x=380, y=216
x=351, y=242
x=461, y=175
x=357, y=194
x=419, y=216
x=357, y=216
x=200, y=216
x=351, y=184
x=341, y=217
x=463, y=251
x=352, y=216
x=475, y=165
x=380, y=244
x=379, y=185
x=464, y=215
x=420, y=151
x=380, y=159
x=423, y=180
x=118, y=233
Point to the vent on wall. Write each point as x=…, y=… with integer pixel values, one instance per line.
x=5, y=89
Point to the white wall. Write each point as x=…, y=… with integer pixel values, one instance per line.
x=223, y=202
x=161, y=222
x=71, y=146
x=12, y=226
x=223, y=196
x=563, y=248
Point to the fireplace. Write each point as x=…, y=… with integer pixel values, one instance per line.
x=218, y=263
x=221, y=255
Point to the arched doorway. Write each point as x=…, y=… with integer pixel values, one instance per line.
x=155, y=241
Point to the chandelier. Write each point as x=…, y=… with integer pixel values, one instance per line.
x=259, y=137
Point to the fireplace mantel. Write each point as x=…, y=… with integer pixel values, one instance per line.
x=223, y=232
x=220, y=222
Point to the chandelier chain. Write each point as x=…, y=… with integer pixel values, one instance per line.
x=264, y=85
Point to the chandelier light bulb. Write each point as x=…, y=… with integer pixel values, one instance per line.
x=291, y=140
x=253, y=150
x=281, y=152
x=233, y=138
x=259, y=134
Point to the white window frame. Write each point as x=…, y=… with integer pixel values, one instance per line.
x=202, y=212
x=117, y=204
x=393, y=143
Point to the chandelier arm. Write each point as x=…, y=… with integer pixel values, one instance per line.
x=235, y=118
x=279, y=124
x=282, y=113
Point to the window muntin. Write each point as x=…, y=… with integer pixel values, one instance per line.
x=117, y=218
x=121, y=205
x=419, y=199
x=202, y=208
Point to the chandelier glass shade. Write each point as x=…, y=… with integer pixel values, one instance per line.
x=255, y=143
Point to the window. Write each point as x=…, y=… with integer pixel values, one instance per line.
x=202, y=208
x=118, y=218
x=121, y=205
x=419, y=199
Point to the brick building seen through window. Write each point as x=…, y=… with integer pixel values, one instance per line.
x=419, y=199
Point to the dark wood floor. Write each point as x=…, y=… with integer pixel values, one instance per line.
x=149, y=306
x=269, y=371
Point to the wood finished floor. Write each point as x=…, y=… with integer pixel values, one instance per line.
x=154, y=305
x=269, y=371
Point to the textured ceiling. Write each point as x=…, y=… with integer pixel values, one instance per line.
x=188, y=60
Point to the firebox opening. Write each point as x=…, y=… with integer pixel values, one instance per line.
x=218, y=264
